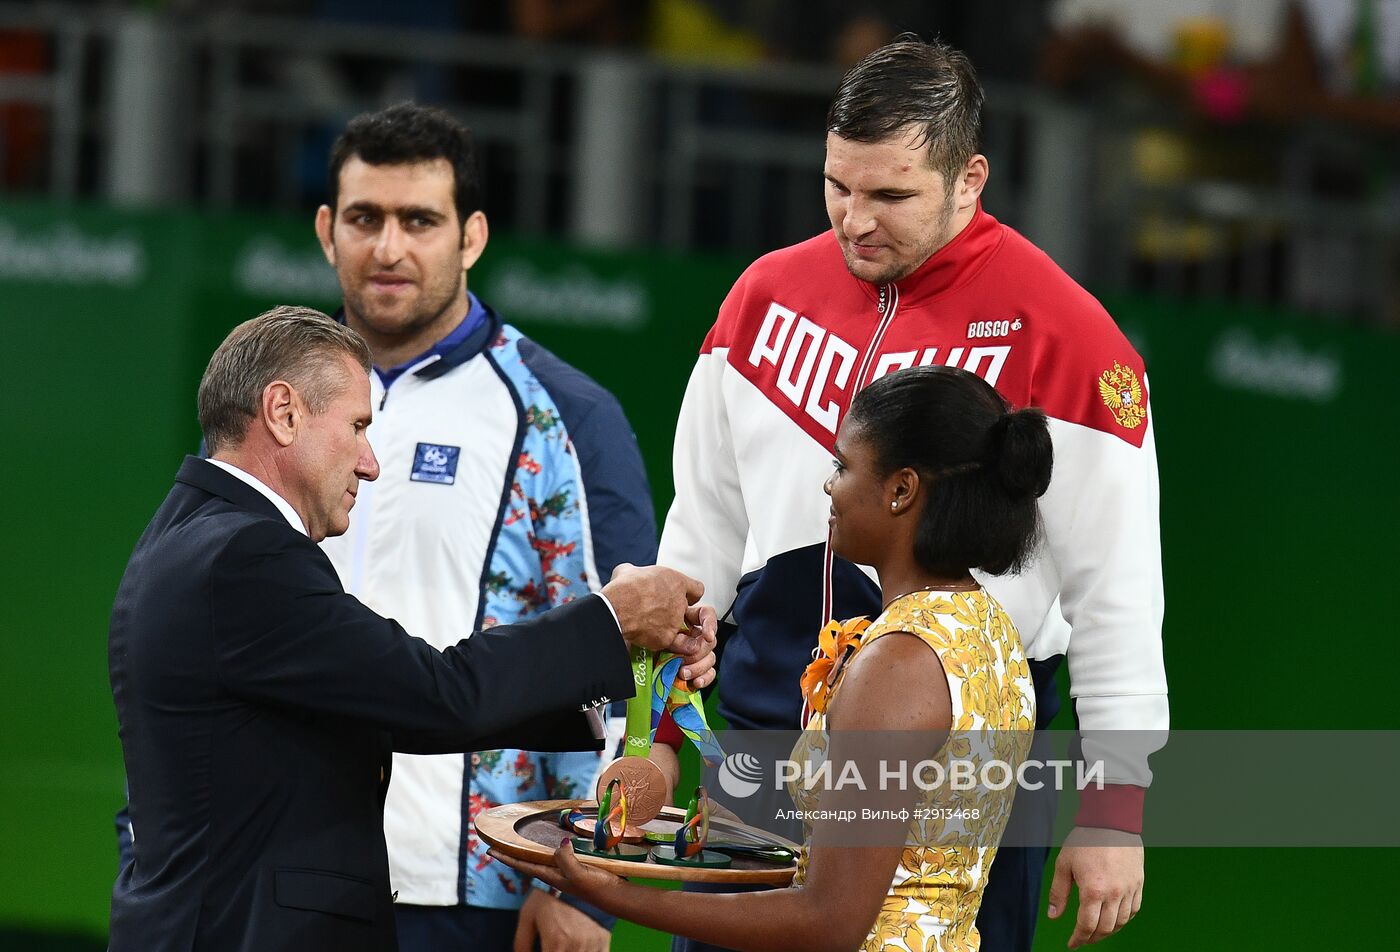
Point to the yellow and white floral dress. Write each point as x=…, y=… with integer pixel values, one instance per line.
x=937, y=889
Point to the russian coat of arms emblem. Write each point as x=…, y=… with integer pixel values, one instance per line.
x=1122, y=394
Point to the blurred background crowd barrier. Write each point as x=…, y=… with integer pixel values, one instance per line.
x=1226, y=149
x=1223, y=174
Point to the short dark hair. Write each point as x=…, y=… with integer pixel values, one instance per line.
x=909, y=82
x=982, y=464
x=407, y=133
x=297, y=344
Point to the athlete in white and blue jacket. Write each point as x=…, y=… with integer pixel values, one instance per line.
x=511, y=482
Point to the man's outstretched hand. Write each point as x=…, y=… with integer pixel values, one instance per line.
x=1107, y=867
x=552, y=925
x=656, y=609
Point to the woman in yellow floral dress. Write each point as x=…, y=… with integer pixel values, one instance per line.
x=935, y=477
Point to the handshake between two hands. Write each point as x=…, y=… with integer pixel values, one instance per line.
x=657, y=609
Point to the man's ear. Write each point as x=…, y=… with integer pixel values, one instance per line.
x=474, y=236
x=324, y=220
x=971, y=182
x=280, y=412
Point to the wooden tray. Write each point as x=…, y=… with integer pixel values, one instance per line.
x=531, y=831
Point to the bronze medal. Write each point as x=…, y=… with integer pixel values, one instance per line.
x=585, y=827
x=644, y=785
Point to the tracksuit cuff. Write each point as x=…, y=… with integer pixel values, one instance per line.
x=1117, y=806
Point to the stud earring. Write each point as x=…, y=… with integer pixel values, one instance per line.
x=894, y=505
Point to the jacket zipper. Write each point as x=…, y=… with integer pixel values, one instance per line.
x=364, y=505
x=887, y=305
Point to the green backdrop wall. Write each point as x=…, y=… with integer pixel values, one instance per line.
x=1276, y=437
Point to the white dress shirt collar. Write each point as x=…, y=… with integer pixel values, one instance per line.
x=282, y=505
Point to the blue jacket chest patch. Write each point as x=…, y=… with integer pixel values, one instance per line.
x=433, y=463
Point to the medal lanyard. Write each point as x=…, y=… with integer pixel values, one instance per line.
x=661, y=690
x=640, y=729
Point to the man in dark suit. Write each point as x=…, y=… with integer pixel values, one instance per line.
x=258, y=703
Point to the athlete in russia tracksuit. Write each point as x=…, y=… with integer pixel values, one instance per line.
x=796, y=338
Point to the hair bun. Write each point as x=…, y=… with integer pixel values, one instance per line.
x=1021, y=453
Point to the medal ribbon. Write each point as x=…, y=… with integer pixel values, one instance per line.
x=660, y=689
x=639, y=727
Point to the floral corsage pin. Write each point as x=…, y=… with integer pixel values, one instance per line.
x=835, y=644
